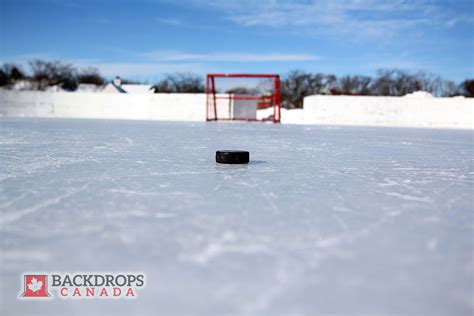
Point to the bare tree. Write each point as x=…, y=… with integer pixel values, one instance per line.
x=330, y=83
x=467, y=88
x=393, y=82
x=90, y=76
x=355, y=85
x=440, y=87
x=298, y=84
x=180, y=83
x=51, y=73
x=295, y=87
x=3, y=78
x=382, y=83
x=9, y=74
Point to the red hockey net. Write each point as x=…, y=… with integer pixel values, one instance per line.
x=243, y=97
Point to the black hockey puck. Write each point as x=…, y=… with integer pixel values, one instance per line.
x=232, y=156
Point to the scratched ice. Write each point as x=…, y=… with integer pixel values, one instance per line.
x=323, y=220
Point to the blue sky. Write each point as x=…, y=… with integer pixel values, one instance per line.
x=144, y=39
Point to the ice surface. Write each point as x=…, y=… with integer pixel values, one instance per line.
x=323, y=220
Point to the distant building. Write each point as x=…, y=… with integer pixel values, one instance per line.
x=116, y=86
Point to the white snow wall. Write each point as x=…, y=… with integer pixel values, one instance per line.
x=455, y=112
x=333, y=110
x=159, y=106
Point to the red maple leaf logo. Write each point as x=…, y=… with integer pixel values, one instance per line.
x=35, y=286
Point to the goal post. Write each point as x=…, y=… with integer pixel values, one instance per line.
x=243, y=97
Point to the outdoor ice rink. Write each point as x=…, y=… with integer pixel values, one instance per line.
x=324, y=220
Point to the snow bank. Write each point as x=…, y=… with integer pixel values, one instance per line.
x=419, y=94
x=417, y=110
x=160, y=106
x=295, y=116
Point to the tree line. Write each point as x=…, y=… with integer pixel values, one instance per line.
x=46, y=74
x=387, y=82
x=295, y=84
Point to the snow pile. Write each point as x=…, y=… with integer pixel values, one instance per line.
x=22, y=85
x=419, y=94
x=264, y=114
x=294, y=116
x=416, y=110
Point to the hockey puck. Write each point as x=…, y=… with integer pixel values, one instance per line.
x=232, y=156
